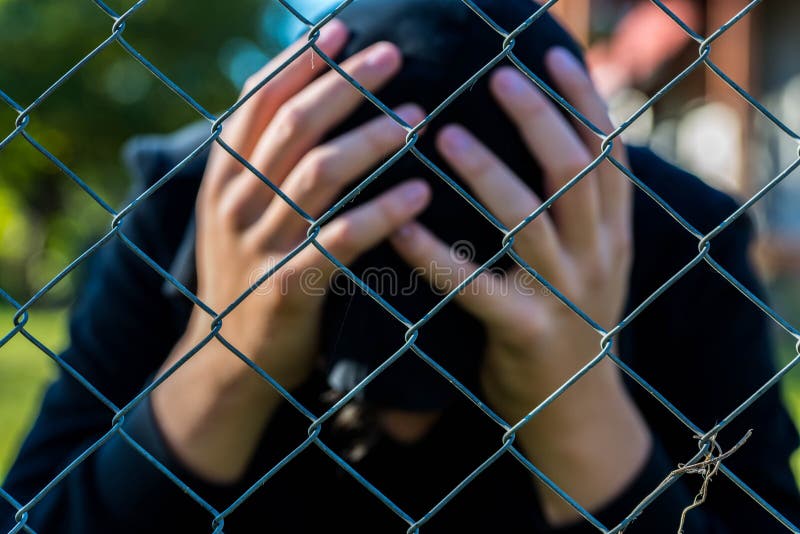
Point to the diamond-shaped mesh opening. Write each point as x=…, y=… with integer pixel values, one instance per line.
x=31, y=370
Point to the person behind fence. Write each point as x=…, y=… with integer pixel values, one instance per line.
x=410, y=435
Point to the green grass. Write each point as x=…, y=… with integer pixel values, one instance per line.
x=792, y=396
x=784, y=294
x=25, y=371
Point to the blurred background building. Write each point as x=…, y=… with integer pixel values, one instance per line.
x=703, y=124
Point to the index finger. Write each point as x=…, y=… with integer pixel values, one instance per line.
x=359, y=229
x=242, y=128
x=574, y=82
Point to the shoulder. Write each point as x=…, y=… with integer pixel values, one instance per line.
x=696, y=202
x=166, y=170
x=663, y=244
x=150, y=157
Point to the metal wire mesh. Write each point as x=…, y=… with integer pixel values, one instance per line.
x=708, y=455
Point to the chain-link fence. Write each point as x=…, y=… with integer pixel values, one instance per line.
x=708, y=461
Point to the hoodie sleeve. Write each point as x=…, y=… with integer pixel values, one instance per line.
x=707, y=349
x=76, y=469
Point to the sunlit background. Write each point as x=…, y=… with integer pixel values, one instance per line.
x=209, y=49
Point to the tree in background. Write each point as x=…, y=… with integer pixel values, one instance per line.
x=206, y=47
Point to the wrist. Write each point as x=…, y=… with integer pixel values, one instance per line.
x=212, y=411
x=592, y=441
x=220, y=370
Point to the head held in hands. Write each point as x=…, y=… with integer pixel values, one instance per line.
x=444, y=43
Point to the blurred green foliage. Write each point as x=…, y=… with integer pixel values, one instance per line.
x=25, y=371
x=207, y=48
x=46, y=220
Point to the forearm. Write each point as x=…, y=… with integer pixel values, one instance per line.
x=212, y=411
x=591, y=441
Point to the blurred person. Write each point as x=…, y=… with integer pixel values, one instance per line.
x=216, y=227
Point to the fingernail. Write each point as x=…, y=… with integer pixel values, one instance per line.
x=454, y=140
x=562, y=58
x=382, y=56
x=329, y=30
x=510, y=81
x=411, y=113
x=415, y=194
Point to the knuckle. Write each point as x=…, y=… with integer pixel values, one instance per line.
x=319, y=170
x=228, y=209
x=595, y=276
x=343, y=237
x=596, y=271
x=575, y=163
x=291, y=118
x=528, y=330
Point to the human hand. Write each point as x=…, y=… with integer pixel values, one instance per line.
x=243, y=228
x=582, y=246
x=214, y=408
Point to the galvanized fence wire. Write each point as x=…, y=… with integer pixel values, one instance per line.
x=708, y=459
